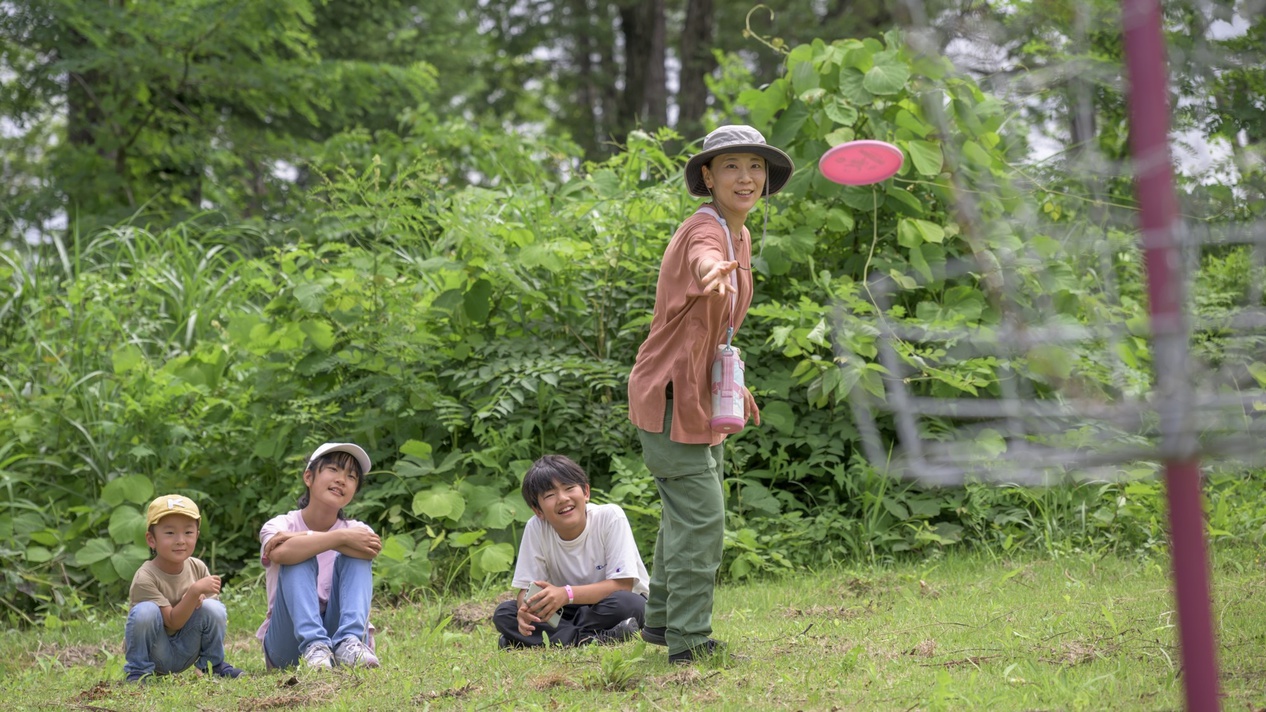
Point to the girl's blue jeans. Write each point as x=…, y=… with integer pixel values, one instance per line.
x=297, y=621
x=149, y=650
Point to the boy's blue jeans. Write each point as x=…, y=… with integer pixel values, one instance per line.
x=149, y=650
x=297, y=620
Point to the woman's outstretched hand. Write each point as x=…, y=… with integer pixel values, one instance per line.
x=716, y=276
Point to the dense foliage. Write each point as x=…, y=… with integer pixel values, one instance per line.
x=458, y=331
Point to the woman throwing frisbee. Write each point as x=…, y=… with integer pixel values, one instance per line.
x=702, y=294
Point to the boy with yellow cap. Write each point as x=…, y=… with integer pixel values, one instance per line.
x=176, y=620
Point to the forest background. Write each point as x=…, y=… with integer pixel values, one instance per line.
x=234, y=230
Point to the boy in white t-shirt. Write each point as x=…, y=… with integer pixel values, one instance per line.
x=584, y=559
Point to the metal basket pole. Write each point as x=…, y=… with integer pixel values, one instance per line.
x=1149, y=146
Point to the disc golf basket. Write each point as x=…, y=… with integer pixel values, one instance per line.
x=1187, y=412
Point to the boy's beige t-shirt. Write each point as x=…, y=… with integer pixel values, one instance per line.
x=151, y=583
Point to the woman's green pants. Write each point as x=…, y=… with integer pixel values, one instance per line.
x=691, y=536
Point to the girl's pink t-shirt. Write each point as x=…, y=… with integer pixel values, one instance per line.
x=292, y=521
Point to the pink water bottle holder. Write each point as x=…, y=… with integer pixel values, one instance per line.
x=728, y=403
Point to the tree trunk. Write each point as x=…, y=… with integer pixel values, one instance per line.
x=697, y=63
x=587, y=112
x=635, y=28
x=655, y=104
x=609, y=111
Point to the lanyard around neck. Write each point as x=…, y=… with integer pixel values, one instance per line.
x=729, y=246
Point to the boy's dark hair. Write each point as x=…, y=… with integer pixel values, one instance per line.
x=344, y=460
x=548, y=471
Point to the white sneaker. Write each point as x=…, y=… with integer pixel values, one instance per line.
x=350, y=652
x=318, y=655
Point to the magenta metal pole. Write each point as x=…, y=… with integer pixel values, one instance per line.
x=1158, y=214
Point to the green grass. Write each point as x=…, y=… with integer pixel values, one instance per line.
x=1074, y=633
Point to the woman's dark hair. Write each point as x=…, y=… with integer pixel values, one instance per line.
x=344, y=460
x=548, y=471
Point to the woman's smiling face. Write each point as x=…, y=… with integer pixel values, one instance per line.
x=737, y=181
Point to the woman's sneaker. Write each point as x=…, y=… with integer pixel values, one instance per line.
x=655, y=636
x=351, y=653
x=318, y=655
x=706, y=649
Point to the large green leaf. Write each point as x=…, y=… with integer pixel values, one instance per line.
x=919, y=264
x=320, y=334
x=841, y=112
x=757, y=496
x=128, y=559
x=888, y=76
x=94, y=550
x=129, y=488
x=311, y=296
x=803, y=76
x=788, y=124
x=439, y=501
x=37, y=554
x=779, y=415
x=492, y=559
x=926, y=156
x=765, y=103
x=126, y=358
x=929, y=231
x=905, y=200
x=416, y=448
x=127, y=525
x=478, y=301
x=853, y=87
x=498, y=514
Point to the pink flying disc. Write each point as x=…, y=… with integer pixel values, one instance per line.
x=860, y=162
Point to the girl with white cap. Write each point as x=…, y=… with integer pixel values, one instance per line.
x=701, y=297
x=318, y=569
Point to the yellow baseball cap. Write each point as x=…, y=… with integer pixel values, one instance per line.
x=171, y=504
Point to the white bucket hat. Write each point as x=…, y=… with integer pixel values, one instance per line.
x=736, y=138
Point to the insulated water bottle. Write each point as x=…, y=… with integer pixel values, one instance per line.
x=727, y=391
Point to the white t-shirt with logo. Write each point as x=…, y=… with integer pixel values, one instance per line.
x=604, y=550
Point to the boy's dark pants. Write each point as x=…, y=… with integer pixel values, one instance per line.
x=579, y=623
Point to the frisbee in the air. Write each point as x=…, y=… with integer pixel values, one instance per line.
x=860, y=162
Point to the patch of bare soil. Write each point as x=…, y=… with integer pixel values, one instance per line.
x=846, y=613
x=94, y=693
x=1076, y=652
x=75, y=655
x=924, y=649
x=296, y=692
x=553, y=681
x=688, y=677
x=455, y=693
x=469, y=615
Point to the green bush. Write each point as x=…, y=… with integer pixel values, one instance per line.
x=459, y=331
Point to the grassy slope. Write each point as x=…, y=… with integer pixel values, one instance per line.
x=959, y=633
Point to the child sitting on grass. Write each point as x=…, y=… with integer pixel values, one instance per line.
x=584, y=559
x=318, y=569
x=176, y=619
